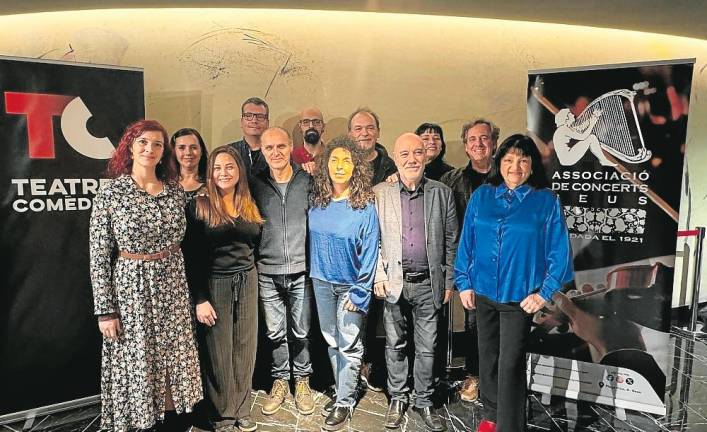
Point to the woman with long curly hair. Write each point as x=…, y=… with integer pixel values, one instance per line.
x=344, y=235
x=150, y=363
x=191, y=155
x=223, y=229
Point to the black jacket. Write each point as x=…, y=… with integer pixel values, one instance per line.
x=463, y=182
x=254, y=161
x=283, y=243
x=383, y=166
x=437, y=168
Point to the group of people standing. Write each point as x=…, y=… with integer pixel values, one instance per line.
x=182, y=235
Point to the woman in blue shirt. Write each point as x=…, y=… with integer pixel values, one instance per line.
x=514, y=254
x=343, y=235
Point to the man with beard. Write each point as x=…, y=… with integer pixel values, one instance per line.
x=364, y=129
x=479, y=137
x=311, y=124
x=254, y=120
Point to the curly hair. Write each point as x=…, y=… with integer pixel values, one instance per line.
x=122, y=163
x=360, y=183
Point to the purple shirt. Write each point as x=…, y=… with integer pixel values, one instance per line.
x=412, y=214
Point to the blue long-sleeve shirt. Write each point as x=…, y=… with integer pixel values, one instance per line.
x=343, y=248
x=514, y=242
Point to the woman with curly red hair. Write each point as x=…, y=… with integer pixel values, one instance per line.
x=150, y=363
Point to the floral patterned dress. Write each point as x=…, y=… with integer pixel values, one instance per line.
x=157, y=346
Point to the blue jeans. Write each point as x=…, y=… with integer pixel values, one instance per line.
x=342, y=331
x=413, y=313
x=286, y=301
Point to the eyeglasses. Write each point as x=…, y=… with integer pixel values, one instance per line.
x=257, y=116
x=312, y=122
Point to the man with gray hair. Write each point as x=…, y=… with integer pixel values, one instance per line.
x=364, y=129
x=480, y=137
x=418, y=226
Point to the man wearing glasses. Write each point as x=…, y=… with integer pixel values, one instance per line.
x=311, y=124
x=254, y=121
x=479, y=137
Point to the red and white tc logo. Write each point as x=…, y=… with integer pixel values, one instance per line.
x=40, y=110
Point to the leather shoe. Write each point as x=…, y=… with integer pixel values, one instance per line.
x=486, y=426
x=328, y=407
x=396, y=411
x=432, y=420
x=336, y=420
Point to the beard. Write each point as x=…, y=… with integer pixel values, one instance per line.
x=311, y=136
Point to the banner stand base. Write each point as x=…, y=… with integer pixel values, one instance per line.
x=694, y=335
x=621, y=414
x=30, y=415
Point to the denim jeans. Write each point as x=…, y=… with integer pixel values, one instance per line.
x=414, y=313
x=342, y=331
x=286, y=302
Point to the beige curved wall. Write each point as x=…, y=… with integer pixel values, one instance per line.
x=201, y=63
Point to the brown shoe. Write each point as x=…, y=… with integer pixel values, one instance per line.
x=469, y=391
x=303, y=396
x=280, y=390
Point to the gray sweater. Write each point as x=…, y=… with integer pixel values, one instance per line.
x=283, y=244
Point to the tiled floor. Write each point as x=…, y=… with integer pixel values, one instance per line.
x=686, y=401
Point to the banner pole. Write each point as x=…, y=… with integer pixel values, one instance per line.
x=696, y=281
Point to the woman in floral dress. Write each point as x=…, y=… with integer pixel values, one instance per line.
x=150, y=363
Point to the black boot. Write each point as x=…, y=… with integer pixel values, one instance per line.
x=396, y=412
x=336, y=420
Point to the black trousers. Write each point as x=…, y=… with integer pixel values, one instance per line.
x=471, y=339
x=230, y=348
x=503, y=333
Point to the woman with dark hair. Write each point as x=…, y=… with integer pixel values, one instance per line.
x=433, y=137
x=223, y=229
x=514, y=254
x=344, y=235
x=191, y=155
x=150, y=364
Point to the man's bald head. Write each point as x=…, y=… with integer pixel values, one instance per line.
x=311, y=113
x=409, y=156
x=276, y=145
x=311, y=123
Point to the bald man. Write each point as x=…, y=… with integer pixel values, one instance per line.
x=282, y=193
x=414, y=275
x=311, y=123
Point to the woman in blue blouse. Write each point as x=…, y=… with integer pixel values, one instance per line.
x=514, y=254
x=343, y=235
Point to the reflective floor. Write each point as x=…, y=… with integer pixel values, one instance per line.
x=686, y=402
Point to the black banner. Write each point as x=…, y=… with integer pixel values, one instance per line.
x=613, y=143
x=59, y=123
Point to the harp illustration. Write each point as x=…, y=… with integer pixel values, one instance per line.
x=617, y=128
